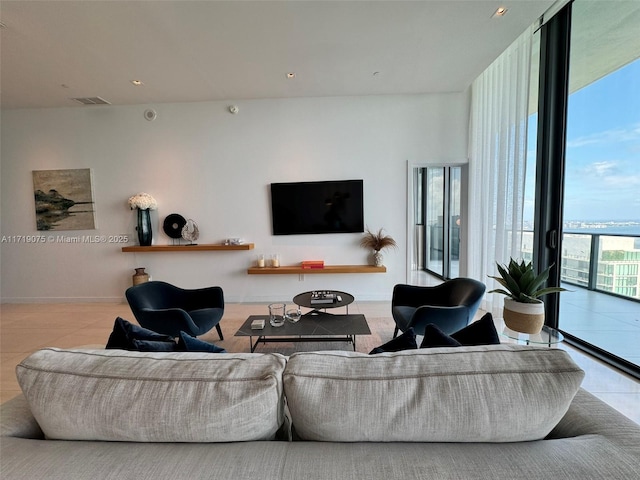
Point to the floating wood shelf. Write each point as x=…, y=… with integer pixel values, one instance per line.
x=187, y=248
x=328, y=269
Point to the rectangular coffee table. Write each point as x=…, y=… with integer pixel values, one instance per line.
x=316, y=327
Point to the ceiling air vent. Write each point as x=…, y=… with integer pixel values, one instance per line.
x=91, y=101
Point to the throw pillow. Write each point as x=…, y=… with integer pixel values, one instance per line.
x=151, y=346
x=434, y=338
x=481, y=332
x=125, y=332
x=406, y=341
x=187, y=343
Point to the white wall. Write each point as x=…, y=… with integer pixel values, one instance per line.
x=204, y=163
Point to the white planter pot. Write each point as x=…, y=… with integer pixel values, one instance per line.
x=523, y=317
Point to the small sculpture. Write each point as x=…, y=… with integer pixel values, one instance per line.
x=190, y=232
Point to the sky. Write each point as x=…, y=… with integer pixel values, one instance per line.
x=603, y=150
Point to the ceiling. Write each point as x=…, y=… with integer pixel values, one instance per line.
x=191, y=51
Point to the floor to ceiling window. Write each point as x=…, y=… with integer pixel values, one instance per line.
x=601, y=217
x=588, y=174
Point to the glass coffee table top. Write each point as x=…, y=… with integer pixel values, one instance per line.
x=548, y=336
x=312, y=327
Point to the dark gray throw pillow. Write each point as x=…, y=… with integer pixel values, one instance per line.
x=406, y=341
x=481, y=332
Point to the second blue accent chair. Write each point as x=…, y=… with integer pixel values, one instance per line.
x=450, y=305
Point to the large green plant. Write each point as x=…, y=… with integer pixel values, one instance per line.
x=521, y=282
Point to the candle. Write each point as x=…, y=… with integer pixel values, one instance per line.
x=261, y=261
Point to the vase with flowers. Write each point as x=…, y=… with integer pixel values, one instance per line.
x=144, y=203
x=377, y=242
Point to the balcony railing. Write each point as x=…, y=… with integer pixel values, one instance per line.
x=607, y=263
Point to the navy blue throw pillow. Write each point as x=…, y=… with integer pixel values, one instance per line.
x=187, y=343
x=434, y=338
x=151, y=346
x=406, y=341
x=481, y=332
x=125, y=332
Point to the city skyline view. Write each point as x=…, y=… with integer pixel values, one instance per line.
x=602, y=176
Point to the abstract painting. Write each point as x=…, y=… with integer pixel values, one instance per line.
x=64, y=199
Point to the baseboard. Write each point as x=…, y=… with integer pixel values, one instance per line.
x=63, y=300
x=228, y=299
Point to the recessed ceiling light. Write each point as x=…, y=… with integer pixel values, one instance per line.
x=500, y=12
x=137, y=83
x=291, y=75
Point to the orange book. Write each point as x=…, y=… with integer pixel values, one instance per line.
x=313, y=264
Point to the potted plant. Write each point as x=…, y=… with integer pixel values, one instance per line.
x=523, y=309
x=377, y=242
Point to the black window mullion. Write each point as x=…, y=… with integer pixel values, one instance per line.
x=550, y=155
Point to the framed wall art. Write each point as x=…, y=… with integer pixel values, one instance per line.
x=64, y=199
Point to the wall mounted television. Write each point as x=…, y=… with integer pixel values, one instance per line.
x=317, y=207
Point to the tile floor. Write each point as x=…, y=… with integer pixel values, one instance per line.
x=27, y=327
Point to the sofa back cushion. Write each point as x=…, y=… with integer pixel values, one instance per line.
x=154, y=397
x=493, y=393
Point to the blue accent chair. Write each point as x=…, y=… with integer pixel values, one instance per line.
x=450, y=305
x=167, y=309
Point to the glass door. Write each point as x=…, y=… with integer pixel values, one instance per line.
x=442, y=203
x=434, y=221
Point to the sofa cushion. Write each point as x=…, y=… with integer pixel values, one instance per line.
x=154, y=397
x=489, y=393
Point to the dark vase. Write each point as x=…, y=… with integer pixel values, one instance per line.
x=144, y=227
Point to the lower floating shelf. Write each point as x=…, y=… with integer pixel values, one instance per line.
x=328, y=269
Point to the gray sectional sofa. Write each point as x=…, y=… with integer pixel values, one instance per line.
x=501, y=411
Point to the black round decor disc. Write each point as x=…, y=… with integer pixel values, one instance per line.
x=173, y=224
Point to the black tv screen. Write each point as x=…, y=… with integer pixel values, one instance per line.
x=317, y=207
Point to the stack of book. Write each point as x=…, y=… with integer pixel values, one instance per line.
x=313, y=264
x=322, y=297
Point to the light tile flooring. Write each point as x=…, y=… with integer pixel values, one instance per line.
x=28, y=327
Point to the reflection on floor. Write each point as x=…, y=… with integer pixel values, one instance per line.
x=26, y=328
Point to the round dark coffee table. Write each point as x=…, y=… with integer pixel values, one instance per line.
x=343, y=299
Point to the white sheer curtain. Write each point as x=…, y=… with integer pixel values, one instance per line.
x=497, y=157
